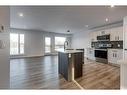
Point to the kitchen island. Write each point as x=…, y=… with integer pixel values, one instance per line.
x=70, y=63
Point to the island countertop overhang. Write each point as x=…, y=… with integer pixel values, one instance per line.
x=68, y=51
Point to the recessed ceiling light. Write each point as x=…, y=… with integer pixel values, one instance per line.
x=86, y=25
x=106, y=19
x=20, y=14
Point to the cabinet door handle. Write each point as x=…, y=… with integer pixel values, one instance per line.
x=114, y=54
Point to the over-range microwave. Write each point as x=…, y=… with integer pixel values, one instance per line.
x=103, y=38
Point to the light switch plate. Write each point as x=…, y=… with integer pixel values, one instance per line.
x=2, y=44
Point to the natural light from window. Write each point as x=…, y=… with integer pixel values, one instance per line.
x=47, y=44
x=59, y=42
x=16, y=44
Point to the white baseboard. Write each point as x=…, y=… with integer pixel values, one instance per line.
x=51, y=54
x=25, y=56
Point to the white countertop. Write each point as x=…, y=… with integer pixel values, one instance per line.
x=122, y=62
x=68, y=51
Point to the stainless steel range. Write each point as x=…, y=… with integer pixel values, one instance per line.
x=101, y=52
x=101, y=55
x=102, y=45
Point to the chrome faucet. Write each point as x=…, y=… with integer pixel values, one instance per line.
x=65, y=44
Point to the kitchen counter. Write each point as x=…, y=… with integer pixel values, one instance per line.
x=122, y=62
x=102, y=49
x=68, y=51
x=70, y=63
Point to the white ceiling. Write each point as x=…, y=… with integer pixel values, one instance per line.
x=59, y=19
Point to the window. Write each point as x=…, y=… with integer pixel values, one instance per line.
x=59, y=42
x=47, y=44
x=16, y=44
x=21, y=44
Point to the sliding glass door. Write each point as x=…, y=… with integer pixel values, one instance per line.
x=53, y=43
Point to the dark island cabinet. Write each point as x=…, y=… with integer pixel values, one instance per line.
x=69, y=61
x=63, y=66
x=78, y=65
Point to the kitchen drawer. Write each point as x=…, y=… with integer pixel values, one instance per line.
x=90, y=53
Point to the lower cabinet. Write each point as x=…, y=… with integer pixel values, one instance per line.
x=114, y=55
x=69, y=61
x=90, y=54
x=125, y=54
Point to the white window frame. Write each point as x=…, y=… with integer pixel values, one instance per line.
x=46, y=45
x=59, y=45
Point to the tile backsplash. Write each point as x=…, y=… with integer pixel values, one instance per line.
x=114, y=44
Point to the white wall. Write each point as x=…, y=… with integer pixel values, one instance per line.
x=34, y=41
x=123, y=70
x=4, y=52
x=81, y=40
x=125, y=36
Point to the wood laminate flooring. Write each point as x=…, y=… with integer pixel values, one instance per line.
x=42, y=73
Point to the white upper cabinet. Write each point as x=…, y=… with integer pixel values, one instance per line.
x=93, y=36
x=120, y=33
x=105, y=32
x=116, y=34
